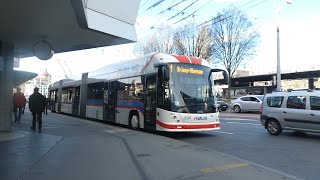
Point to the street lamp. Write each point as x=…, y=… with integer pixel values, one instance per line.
x=278, y=7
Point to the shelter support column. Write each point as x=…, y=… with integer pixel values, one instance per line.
x=6, y=85
x=311, y=83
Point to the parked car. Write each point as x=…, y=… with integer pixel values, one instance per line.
x=222, y=106
x=296, y=110
x=247, y=103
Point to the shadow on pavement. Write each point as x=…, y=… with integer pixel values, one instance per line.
x=185, y=135
x=302, y=135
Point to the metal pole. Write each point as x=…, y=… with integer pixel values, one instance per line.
x=278, y=61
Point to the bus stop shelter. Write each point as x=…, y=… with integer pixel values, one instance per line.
x=246, y=81
x=46, y=26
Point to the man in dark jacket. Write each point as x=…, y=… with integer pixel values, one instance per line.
x=37, y=103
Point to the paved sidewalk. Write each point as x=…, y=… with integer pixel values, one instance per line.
x=71, y=148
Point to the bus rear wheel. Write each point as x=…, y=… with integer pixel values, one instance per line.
x=134, y=121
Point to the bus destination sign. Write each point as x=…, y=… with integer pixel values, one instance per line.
x=189, y=70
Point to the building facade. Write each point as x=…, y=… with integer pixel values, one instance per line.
x=42, y=81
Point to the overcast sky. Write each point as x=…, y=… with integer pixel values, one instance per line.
x=299, y=35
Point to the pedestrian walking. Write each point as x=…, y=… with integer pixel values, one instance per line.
x=52, y=105
x=19, y=102
x=37, y=103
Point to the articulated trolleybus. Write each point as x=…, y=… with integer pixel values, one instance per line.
x=159, y=92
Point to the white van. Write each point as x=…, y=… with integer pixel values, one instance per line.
x=292, y=110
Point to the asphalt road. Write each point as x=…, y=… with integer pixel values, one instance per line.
x=243, y=136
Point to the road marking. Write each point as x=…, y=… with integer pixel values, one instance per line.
x=243, y=115
x=244, y=123
x=223, y=168
x=223, y=132
x=256, y=165
x=238, y=119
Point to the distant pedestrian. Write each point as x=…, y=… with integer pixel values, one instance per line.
x=46, y=108
x=37, y=104
x=19, y=102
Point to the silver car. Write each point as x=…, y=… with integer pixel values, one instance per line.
x=296, y=110
x=247, y=103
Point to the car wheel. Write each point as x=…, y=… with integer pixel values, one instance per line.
x=134, y=121
x=237, y=109
x=274, y=127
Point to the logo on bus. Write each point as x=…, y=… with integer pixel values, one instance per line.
x=187, y=117
x=200, y=118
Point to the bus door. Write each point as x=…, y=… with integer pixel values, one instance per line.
x=55, y=101
x=109, y=98
x=150, y=102
x=76, y=100
x=52, y=100
x=107, y=103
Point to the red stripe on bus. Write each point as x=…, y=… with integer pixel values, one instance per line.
x=187, y=126
x=182, y=59
x=195, y=60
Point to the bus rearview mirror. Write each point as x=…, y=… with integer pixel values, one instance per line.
x=165, y=73
x=224, y=73
x=225, y=77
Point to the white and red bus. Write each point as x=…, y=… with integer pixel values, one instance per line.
x=160, y=92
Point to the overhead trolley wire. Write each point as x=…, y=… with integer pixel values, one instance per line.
x=183, y=10
x=236, y=8
x=213, y=20
x=192, y=14
x=145, y=3
x=255, y=5
x=162, y=12
x=141, y=6
x=171, y=6
x=155, y=4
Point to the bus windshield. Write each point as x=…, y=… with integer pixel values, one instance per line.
x=191, y=89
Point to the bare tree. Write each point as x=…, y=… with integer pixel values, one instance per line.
x=160, y=41
x=193, y=42
x=186, y=40
x=235, y=40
